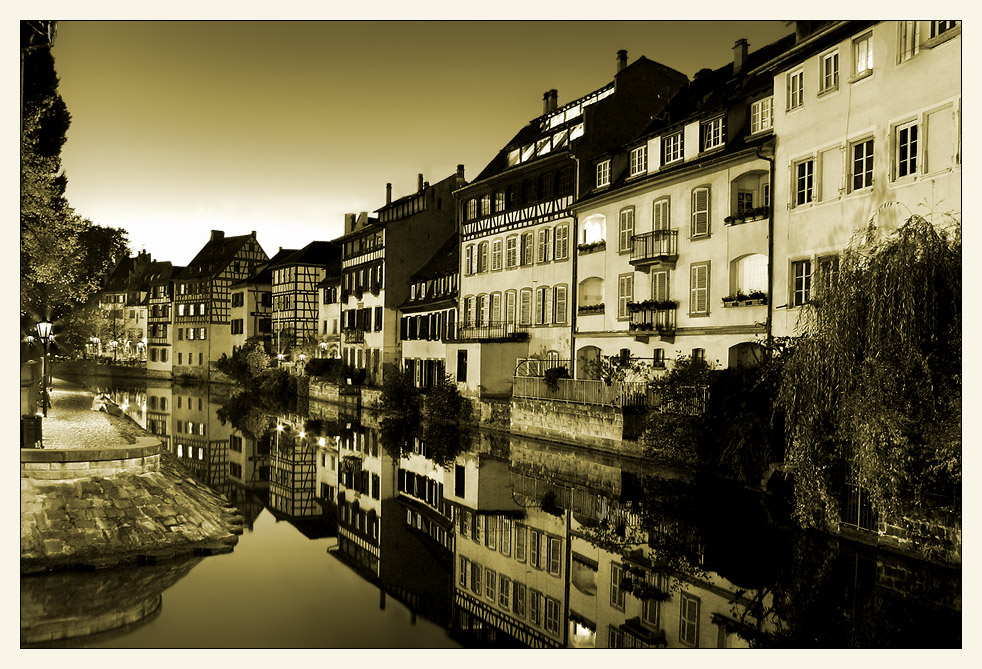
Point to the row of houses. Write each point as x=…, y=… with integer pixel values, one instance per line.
x=651, y=218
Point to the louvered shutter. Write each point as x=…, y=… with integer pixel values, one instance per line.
x=700, y=212
x=699, y=298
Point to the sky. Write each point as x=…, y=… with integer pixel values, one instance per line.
x=182, y=127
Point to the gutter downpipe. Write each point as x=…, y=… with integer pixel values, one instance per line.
x=770, y=257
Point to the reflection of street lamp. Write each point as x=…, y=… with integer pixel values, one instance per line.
x=279, y=359
x=323, y=349
x=301, y=357
x=279, y=428
x=44, y=334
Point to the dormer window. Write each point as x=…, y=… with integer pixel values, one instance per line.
x=712, y=133
x=603, y=173
x=672, y=148
x=639, y=160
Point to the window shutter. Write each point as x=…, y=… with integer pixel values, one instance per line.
x=699, y=299
x=526, y=314
x=560, y=304
x=660, y=215
x=626, y=229
x=547, y=312
x=700, y=212
x=659, y=286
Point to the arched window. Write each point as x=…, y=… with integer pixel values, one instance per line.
x=594, y=229
x=482, y=257
x=748, y=274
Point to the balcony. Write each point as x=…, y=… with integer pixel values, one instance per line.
x=492, y=331
x=653, y=317
x=655, y=248
x=354, y=336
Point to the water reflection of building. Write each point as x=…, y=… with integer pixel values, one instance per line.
x=292, y=473
x=199, y=439
x=249, y=460
x=366, y=476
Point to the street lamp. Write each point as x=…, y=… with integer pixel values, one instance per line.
x=44, y=334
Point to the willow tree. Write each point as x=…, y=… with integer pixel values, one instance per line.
x=872, y=388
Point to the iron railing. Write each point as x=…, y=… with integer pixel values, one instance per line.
x=585, y=391
x=494, y=330
x=538, y=366
x=650, y=247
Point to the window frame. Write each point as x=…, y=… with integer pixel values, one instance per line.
x=912, y=161
x=638, y=160
x=625, y=230
x=862, y=52
x=795, y=89
x=602, y=173
x=803, y=182
x=624, y=296
x=712, y=133
x=689, y=637
x=757, y=115
x=800, y=293
x=828, y=80
x=561, y=249
x=511, y=251
x=695, y=232
x=867, y=159
x=617, y=595
x=673, y=147
x=496, y=255
x=908, y=40
x=696, y=290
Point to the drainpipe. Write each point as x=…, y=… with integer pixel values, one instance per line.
x=770, y=256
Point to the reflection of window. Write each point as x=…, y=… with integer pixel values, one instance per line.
x=616, y=594
x=689, y=620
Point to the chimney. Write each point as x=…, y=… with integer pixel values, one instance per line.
x=419, y=183
x=549, y=101
x=460, y=171
x=621, y=59
x=349, y=223
x=388, y=193
x=739, y=55
x=253, y=233
x=217, y=234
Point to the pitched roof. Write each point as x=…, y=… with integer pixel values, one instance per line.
x=214, y=256
x=314, y=253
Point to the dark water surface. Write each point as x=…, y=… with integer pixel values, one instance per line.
x=516, y=543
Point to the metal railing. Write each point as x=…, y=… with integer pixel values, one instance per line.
x=656, y=245
x=585, y=391
x=354, y=336
x=655, y=320
x=488, y=331
x=538, y=366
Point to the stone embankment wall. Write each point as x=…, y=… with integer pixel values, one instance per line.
x=95, y=508
x=584, y=424
x=936, y=537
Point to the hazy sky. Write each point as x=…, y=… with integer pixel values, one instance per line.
x=179, y=128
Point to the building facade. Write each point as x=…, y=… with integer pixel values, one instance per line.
x=295, y=297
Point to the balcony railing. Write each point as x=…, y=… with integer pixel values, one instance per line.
x=653, y=247
x=586, y=391
x=653, y=317
x=492, y=331
x=354, y=336
x=538, y=366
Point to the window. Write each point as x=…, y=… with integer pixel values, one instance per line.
x=471, y=209
x=762, y=115
x=862, y=48
x=519, y=593
x=626, y=230
x=940, y=150
x=625, y=294
x=543, y=250
x=672, y=148
x=660, y=214
x=520, y=538
x=749, y=274
x=699, y=289
x=615, y=637
x=828, y=72
x=796, y=89
x=535, y=548
x=561, y=242
x=499, y=201
x=476, y=583
x=490, y=584
x=862, y=164
x=543, y=304
x=712, y=133
x=616, y=594
x=468, y=259
x=496, y=255
x=511, y=251
x=552, y=615
x=801, y=282
x=659, y=285
x=906, y=149
x=485, y=204
x=939, y=28
x=528, y=240
x=462, y=366
x=909, y=39
x=689, y=620
x=603, y=173
x=525, y=314
x=535, y=607
x=559, y=305
x=510, y=298
x=554, y=548
x=462, y=571
x=504, y=591
x=505, y=544
x=482, y=257
x=700, y=212
x=828, y=269
x=804, y=182
x=639, y=160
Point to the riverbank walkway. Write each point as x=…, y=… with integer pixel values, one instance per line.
x=71, y=422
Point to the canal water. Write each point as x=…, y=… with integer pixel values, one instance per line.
x=361, y=534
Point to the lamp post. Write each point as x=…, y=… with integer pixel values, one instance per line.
x=44, y=334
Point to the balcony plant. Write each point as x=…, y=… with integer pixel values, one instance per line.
x=552, y=376
x=587, y=309
x=592, y=246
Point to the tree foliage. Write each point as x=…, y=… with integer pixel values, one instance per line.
x=872, y=389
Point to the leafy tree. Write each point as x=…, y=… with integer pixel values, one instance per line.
x=872, y=389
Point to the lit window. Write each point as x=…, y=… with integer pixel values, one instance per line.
x=471, y=209
x=603, y=174
x=796, y=89
x=862, y=164
x=762, y=115
x=863, y=50
x=829, y=72
x=906, y=152
x=804, y=182
x=639, y=160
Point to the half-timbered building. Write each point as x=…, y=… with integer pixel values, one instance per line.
x=329, y=315
x=202, y=300
x=295, y=292
x=160, y=331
